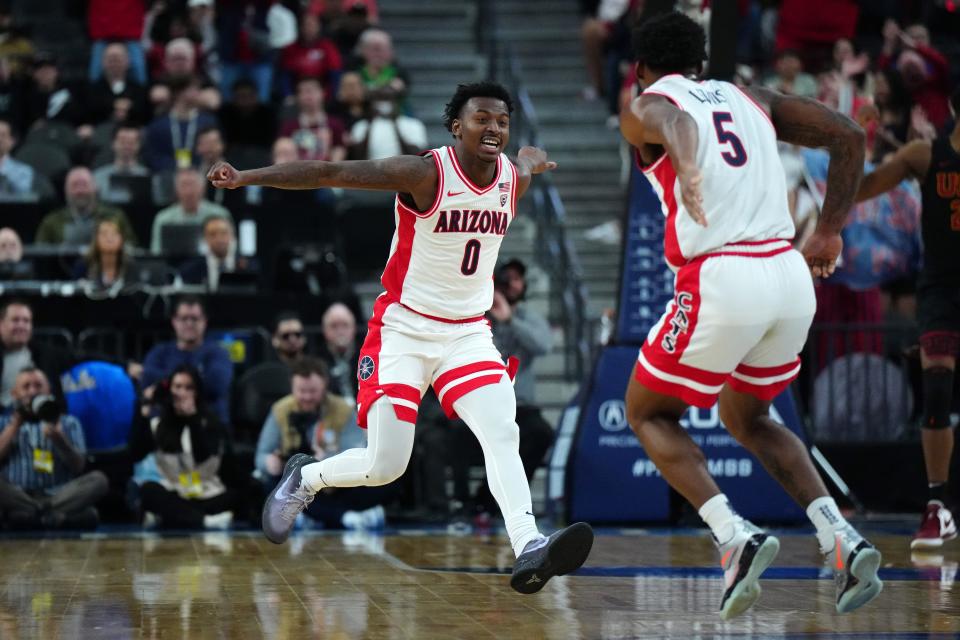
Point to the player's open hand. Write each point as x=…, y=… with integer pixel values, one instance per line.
x=821, y=251
x=224, y=176
x=691, y=192
x=536, y=159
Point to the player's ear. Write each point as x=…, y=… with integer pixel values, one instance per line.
x=455, y=127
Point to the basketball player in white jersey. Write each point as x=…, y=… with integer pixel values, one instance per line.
x=743, y=298
x=453, y=207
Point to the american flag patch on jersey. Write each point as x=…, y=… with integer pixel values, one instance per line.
x=504, y=188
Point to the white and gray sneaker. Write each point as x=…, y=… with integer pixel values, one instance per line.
x=855, y=563
x=743, y=558
x=288, y=499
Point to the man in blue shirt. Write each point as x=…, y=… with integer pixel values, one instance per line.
x=211, y=360
x=41, y=461
x=16, y=178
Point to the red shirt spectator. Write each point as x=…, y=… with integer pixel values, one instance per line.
x=313, y=55
x=925, y=71
x=115, y=19
x=815, y=23
x=318, y=136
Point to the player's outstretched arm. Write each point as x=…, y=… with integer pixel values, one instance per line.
x=415, y=175
x=654, y=120
x=910, y=161
x=531, y=161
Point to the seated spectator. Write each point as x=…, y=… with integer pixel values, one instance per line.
x=351, y=104
x=201, y=26
x=48, y=97
x=191, y=207
x=317, y=135
x=789, y=77
x=12, y=264
x=118, y=22
x=16, y=178
x=115, y=91
x=383, y=78
x=189, y=322
x=289, y=342
x=285, y=150
x=210, y=150
x=243, y=46
x=220, y=255
x=311, y=56
x=108, y=260
x=126, y=153
x=346, y=20
x=386, y=133
x=73, y=224
x=245, y=120
x=178, y=65
x=340, y=349
x=42, y=483
x=186, y=444
x=314, y=421
x=12, y=92
x=892, y=105
x=171, y=140
x=20, y=350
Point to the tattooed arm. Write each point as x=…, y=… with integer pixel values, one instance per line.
x=808, y=123
x=910, y=161
x=416, y=175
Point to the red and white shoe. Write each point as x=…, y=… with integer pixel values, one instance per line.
x=936, y=527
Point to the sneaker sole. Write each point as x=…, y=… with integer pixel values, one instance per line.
x=864, y=569
x=279, y=538
x=747, y=592
x=566, y=553
x=930, y=543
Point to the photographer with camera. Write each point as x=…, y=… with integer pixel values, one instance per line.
x=313, y=421
x=41, y=459
x=179, y=452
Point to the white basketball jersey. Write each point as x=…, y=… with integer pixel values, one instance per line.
x=442, y=260
x=744, y=188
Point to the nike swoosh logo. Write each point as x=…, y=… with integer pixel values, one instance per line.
x=450, y=194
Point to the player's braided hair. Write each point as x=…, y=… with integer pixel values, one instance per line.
x=485, y=89
x=669, y=43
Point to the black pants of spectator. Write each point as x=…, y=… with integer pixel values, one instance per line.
x=70, y=505
x=328, y=506
x=463, y=451
x=181, y=513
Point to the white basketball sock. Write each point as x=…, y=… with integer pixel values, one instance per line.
x=721, y=518
x=825, y=516
x=491, y=412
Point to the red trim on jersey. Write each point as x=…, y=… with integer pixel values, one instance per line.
x=767, y=372
x=676, y=390
x=665, y=174
x=396, y=270
x=665, y=95
x=743, y=254
x=454, y=374
x=467, y=181
x=516, y=190
x=766, y=392
x=458, y=391
x=405, y=414
x=763, y=111
x=436, y=199
x=446, y=320
x=758, y=242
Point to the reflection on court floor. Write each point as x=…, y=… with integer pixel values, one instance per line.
x=421, y=584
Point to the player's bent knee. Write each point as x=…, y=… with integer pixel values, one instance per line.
x=937, y=397
x=385, y=471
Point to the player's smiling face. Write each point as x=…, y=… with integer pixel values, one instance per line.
x=483, y=127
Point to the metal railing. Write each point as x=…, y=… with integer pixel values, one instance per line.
x=862, y=382
x=553, y=251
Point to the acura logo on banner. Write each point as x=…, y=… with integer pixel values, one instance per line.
x=613, y=415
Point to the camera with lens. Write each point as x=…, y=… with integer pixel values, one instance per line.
x=43, y=408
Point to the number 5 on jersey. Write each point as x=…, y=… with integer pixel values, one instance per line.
x=739, y=156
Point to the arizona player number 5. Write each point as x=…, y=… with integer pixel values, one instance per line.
x=739, y=156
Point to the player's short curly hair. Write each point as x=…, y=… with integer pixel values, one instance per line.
x=669, y=43
x=485, y=89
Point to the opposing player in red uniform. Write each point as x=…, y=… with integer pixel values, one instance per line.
x=743, y=299
x=453, y=207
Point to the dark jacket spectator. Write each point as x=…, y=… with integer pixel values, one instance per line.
x=171, y=140
x=340, y=349
x=209, y=358
x=47, y=98
x=74, y=224
x=245, y=120
x=115, y=95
